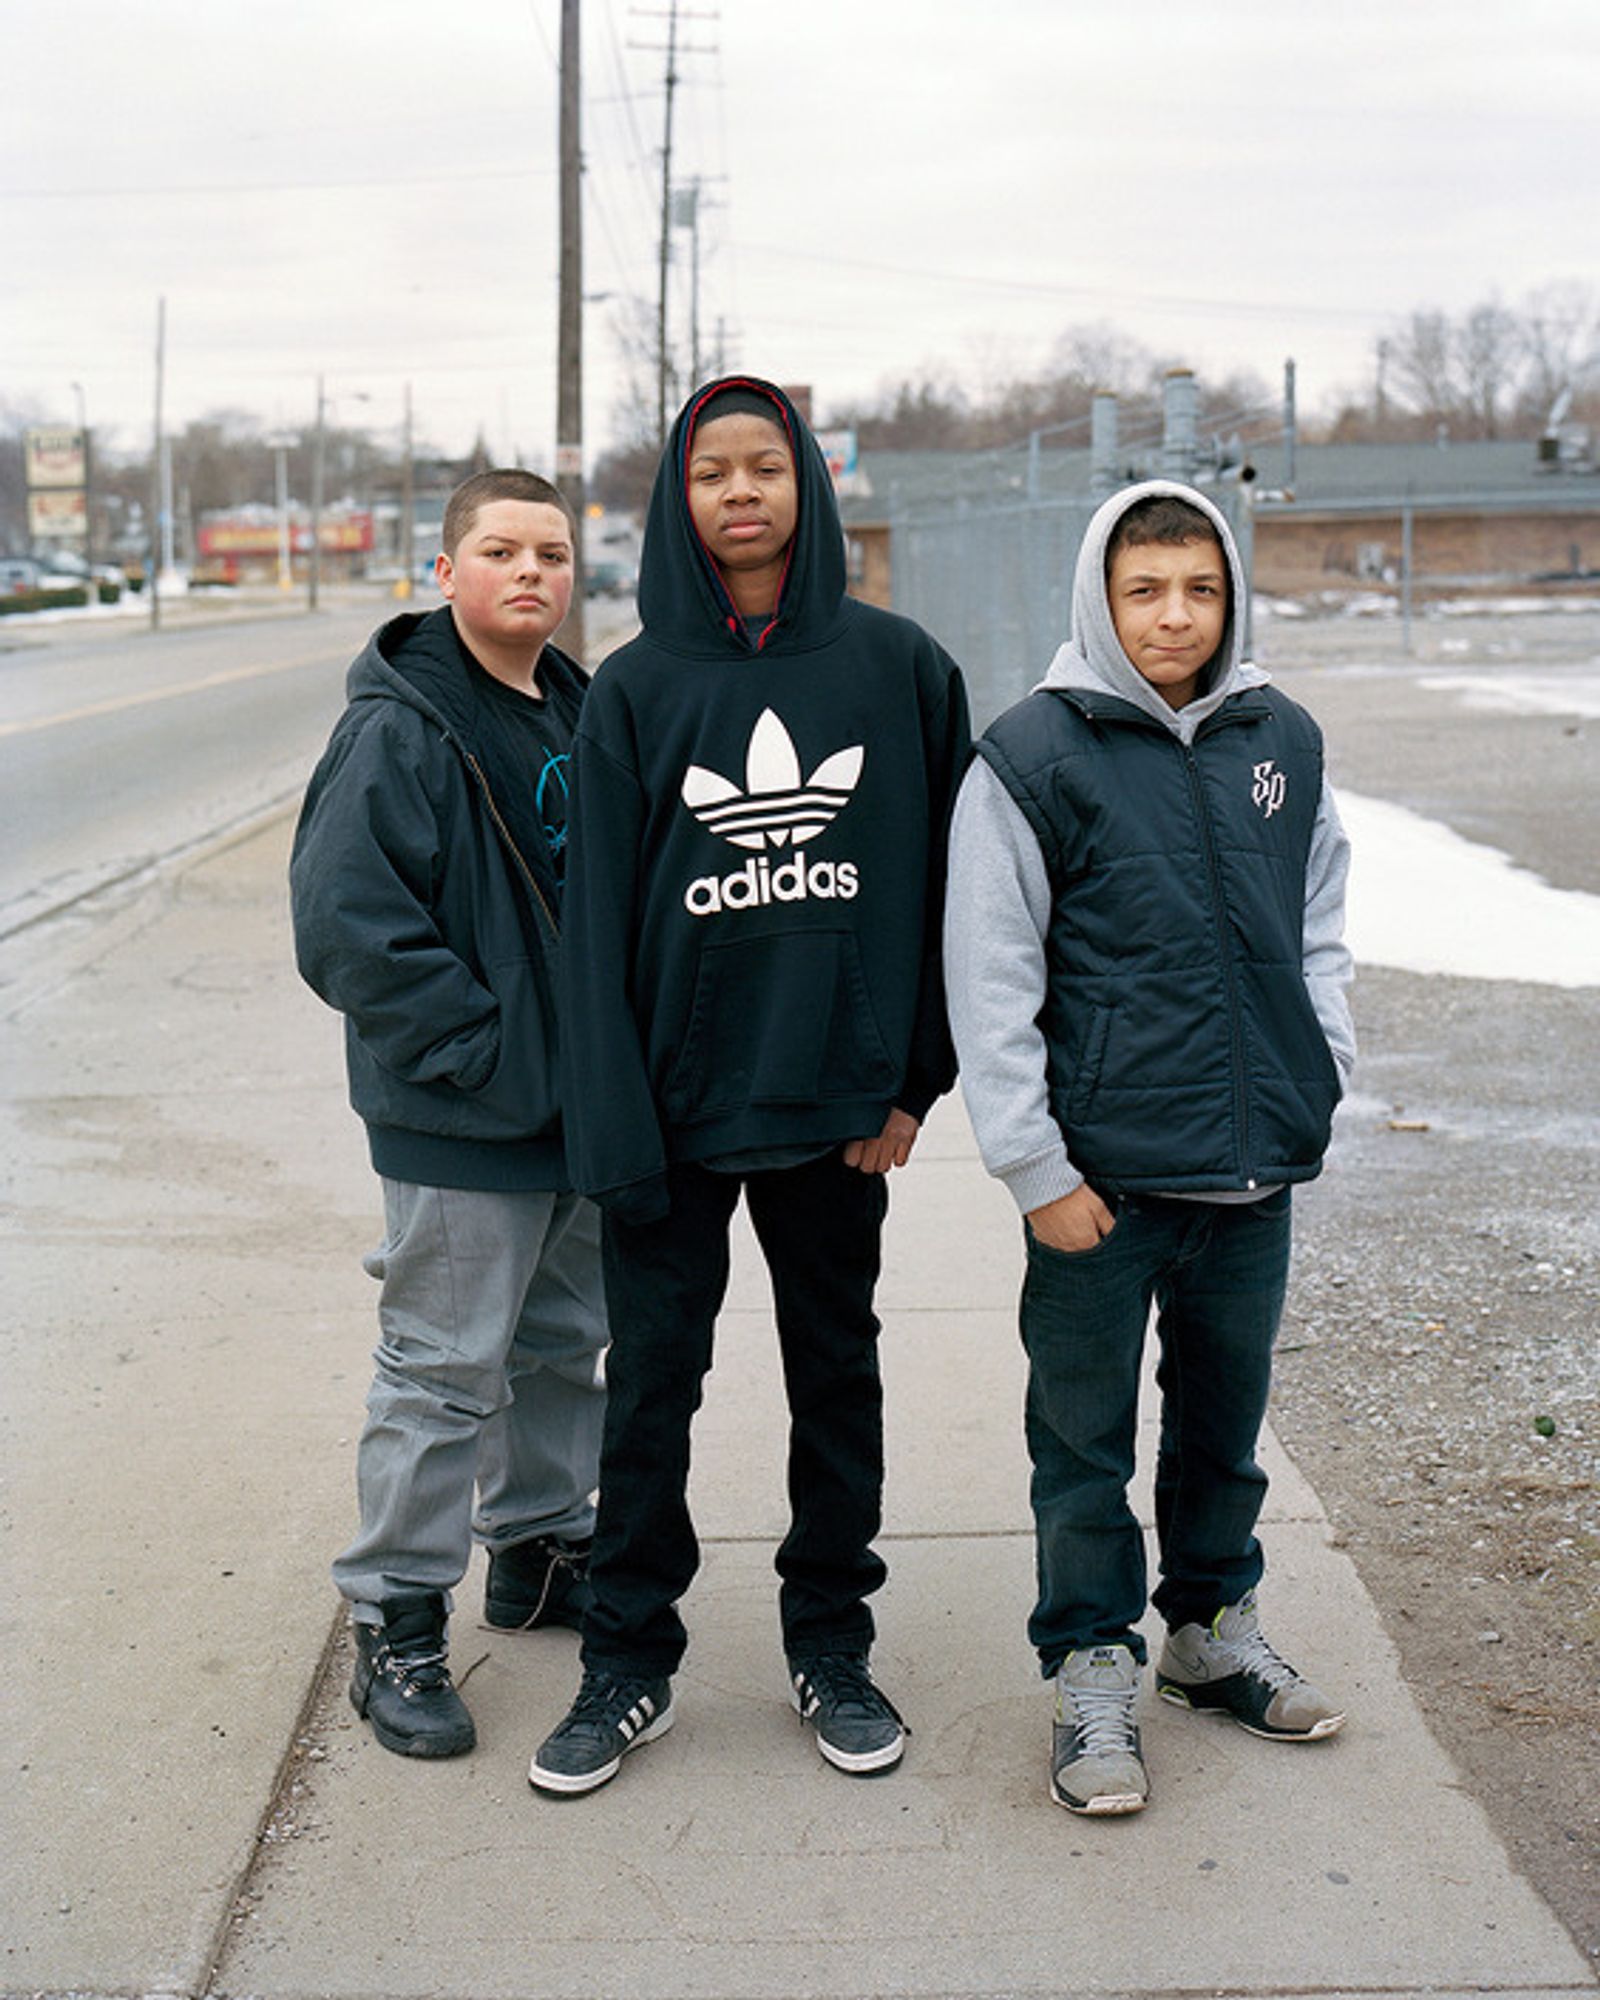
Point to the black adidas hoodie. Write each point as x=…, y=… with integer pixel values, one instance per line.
x=756, y=885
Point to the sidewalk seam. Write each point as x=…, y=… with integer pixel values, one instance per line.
x=238, y=1885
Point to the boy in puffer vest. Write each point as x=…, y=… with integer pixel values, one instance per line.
x=1147, y=984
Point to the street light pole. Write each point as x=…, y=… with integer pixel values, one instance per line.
x=153, y=581
x=88, y=485
x=279, y=443
x=314, y=567
x=408, y=510
x=569, y=332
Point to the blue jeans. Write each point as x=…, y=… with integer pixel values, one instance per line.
x=1216, y=1274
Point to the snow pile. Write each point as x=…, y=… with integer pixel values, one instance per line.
x=1423, y=899
x=1526, y=694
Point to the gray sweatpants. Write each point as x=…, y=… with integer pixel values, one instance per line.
x=490, y=1371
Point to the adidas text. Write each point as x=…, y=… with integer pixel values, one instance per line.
x=758, y=883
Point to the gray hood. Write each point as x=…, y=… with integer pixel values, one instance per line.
x=1093, y=659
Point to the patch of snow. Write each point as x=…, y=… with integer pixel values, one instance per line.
x=1423, y=899
x=1524, y=694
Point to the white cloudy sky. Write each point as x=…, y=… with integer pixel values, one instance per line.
x=368, y=188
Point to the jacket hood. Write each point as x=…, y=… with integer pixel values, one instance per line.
x=684, y=602
x=418, y=658
x=1092, y=660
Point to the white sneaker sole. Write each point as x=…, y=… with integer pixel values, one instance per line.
x=1109, y=1805
x=860, y=1763
x=1329, y=1725
x=571, y=1784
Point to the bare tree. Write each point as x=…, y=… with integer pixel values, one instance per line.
x=1560, y=328
x=1488, y=348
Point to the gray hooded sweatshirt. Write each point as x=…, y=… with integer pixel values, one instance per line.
x=998, y=901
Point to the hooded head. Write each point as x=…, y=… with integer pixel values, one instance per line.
x=743, y=539
x=1155, y=603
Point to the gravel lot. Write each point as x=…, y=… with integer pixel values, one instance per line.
x=1439, y=1378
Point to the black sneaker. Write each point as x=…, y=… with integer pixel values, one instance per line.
x=542, y=1581
x=402, y=1682
x=612, y=1715
x=858, y=1728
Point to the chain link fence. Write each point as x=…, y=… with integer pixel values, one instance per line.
x=990, y=576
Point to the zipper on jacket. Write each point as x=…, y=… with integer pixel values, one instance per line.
x=1219, y=914
x=505, y=834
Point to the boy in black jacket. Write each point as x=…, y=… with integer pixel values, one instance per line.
x=762, y=782
x=426, y=878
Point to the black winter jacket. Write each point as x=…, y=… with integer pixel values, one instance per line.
x=425, y=910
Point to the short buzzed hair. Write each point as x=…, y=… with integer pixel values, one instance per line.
x=1163, y=517
x=508, y=482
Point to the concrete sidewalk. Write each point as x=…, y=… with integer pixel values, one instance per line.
x=190, y=1805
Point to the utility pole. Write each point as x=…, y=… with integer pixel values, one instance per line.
x=156, y=482
x=666, y=229
x=1290, y=427
x=686, y=215
x=663, y=359
x=569, y=338
x=314, y=567
x=88, y=486
x=408, y=507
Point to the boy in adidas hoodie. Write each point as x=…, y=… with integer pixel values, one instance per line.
x=426, y=882
x=754, y=1002
x=1147, y=988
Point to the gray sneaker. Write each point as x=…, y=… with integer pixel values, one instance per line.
x=1095, y=1764
x=1228, y=1666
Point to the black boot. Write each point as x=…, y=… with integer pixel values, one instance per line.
x=402, y=1681
x=542, y=1581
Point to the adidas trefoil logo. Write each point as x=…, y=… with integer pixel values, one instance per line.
x=777, y=808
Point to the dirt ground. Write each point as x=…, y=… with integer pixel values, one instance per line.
x=1439, y=1372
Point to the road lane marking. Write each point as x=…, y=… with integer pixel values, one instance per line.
x=114, y=704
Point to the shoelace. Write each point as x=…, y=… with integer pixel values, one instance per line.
x=1105, y=1720
x=1257, y=1659
x=562, y=1561
x=846, y=1686
x=416, y=1673
x=602, y=1698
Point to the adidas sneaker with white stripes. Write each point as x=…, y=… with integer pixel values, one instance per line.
x=612, y=1715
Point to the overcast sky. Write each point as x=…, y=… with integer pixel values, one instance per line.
x=368, y=188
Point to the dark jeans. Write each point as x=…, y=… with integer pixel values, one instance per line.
x=819, y=1227
x=1216, y=1274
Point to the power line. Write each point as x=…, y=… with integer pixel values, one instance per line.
x=127, y=193
x=987, y=282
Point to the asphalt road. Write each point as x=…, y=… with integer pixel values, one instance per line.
x=120, y=747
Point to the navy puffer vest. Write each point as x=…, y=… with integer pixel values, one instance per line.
x=1184, y=1052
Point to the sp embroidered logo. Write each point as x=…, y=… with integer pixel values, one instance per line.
x=1269, y=789
x=777, y=806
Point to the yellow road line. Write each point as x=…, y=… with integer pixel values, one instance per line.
x=115, y=703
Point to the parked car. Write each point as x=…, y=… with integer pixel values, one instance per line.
x=610, y=579
x=17, y=574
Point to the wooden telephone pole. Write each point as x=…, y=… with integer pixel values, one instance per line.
x=569, y=337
